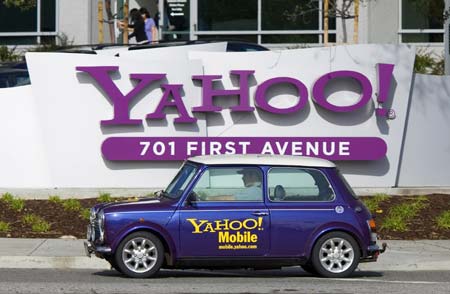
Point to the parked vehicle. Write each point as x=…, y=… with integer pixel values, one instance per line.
x=234, y=211
x=13, y=77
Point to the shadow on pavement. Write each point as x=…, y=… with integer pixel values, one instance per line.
x=238, y=273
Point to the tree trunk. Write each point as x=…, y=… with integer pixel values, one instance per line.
x=112, y=34
x=356, y=23
x=125, y=21
x=100, y=21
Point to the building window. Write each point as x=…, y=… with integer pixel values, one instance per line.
x=262, y=21
x=421, y=21
x=27, y=27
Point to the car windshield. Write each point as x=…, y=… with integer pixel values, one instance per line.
x=181, y=180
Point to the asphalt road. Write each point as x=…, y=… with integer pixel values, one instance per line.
x=291, y=280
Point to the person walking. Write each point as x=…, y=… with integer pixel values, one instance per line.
x=150, y=26
x=138, y=25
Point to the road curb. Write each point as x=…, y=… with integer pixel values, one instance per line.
x=51, y=262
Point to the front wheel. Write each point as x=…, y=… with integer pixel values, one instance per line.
x=335, y=255
x=140, y=255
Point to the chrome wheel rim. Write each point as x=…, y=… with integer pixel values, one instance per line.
x=139, y=255
x=336, y=255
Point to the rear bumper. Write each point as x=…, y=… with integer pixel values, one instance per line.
x=99, y=251
x=373, y=252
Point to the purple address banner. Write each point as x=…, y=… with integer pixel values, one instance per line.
x=180, y=148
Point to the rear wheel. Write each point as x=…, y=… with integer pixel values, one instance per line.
x=335, y=255
x=140, y=255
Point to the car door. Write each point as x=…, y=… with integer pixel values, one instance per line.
x=301, y=200
x=221, y=219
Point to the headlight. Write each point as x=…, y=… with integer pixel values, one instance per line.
x=92, y=215
x=101, y=224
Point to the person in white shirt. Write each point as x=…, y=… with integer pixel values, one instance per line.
x=252, y=182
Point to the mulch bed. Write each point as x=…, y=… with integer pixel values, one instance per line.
x=71, y=223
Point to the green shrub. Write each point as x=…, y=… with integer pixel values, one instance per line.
x=104, y=197
x=373, y=202
x=9, y=55
x=55, y=199
x=443, y=220
x=30, y=219
x=427, y=63
x=7, y=197
x=72, y=204
x=4, y=227
x=17, y=204
x=399, y=215
x=40, y=226
x=85, y=213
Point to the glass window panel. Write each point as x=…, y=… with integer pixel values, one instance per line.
x=417, y=14
x=332, y=38
x=18, y=40
x=15, y=20
x=176, y=15
x=244, y=38
x=230, y=184
x=175, y=36
x=48, y=15
x=289, y=39
x=290, y=15
x=422, y=38
x=227, y=15
x=297, y=184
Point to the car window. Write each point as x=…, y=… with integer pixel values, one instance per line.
x=298, y=184
x=230, y=184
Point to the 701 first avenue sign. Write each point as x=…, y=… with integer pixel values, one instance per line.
x=338, y=148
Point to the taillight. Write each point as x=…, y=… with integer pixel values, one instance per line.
x=372, y=225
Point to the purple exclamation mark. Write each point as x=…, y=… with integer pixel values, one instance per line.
x=384, y=84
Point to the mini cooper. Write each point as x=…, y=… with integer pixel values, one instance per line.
x=240, y=211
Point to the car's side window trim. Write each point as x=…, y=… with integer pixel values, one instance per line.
x=298, y=201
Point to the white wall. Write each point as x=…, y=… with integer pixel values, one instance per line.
x=75, y=20
x=426, y=157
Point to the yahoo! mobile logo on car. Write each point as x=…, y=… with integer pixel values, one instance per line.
x=181, y=147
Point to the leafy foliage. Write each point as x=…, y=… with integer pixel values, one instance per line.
x=22, y=4
x=4, y=227
x=372, y=203
x=400, y=215
x=9, y=55
x=40, y=226
x=427, y=63
x=15, y=204
x=443, y=220
x=29, y=219
x=104, y=198
x=85, y=213
x=72, y=204
x=55, y=199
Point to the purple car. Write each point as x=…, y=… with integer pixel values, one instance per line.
x=240, y=211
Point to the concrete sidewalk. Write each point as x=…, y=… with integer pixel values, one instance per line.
x=69, y=254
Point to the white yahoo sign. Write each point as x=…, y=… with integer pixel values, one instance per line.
x=179, y=148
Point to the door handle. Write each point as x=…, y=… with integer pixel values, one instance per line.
x=260, y=213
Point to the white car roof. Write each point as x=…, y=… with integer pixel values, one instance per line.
x=258, y=159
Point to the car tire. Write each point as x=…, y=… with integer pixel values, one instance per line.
x=112, y=262
x=140, y=255
x=335, y=255
x=309, y=268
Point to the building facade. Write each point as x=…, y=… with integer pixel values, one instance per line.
x=274, y=23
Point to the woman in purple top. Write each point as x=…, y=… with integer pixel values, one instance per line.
x=150, y=27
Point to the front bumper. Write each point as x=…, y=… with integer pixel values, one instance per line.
x=373, y=252
x=99, y=251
